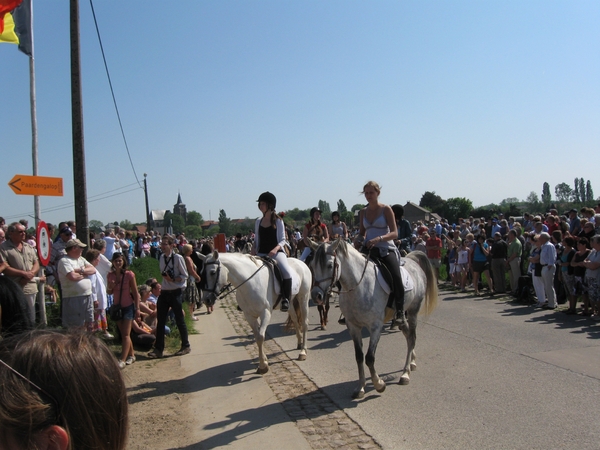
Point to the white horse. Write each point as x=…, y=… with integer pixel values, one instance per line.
x=256, y=292
x=363, y=300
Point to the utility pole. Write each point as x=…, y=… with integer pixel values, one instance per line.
x=79, y=179
x=148, y=227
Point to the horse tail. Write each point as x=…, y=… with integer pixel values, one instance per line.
x=289, y=324
x=431, y=291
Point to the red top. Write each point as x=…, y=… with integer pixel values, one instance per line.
x=122, y=290
x=435, y=253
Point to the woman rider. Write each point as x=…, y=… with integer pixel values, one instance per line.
x=378, y=231
x=314, y=230
x=269, y=240
x=337, y=228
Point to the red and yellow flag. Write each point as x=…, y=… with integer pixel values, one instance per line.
x=15, y=24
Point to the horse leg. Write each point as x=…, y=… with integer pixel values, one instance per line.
x=358, y=353
x=378, y=383
x=321, y=310
x=326, y=313
x=259, y=336
x=411, y=337
x=303, y=323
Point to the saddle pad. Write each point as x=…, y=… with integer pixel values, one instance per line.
x=295, y=283
x=407, y=280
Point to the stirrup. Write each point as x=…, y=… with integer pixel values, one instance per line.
x=285, y=305
x=400, y=319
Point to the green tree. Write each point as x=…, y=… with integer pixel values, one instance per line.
x=126, y=224
x=341, y=207
x=589, y=194
x=357, y=207
x=325, y=209
x=193, y=232
x=298, y=215
x=563, y=192
x=576, y=196
x=582, y=193
x=457, y=207
x=213, y=230
x=224, y=223
x=96, y=226
x=432, y=202
x=194, y=218
x=546, y=196
x=508, y=201
x=178, y=224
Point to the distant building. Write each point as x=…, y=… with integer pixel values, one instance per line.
x=179, y=208
x=157, y=219
x=414, y=213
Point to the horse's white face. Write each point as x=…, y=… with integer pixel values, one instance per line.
x=215, y=277
x=325, y=273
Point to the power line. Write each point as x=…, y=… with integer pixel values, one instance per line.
x=92, y=199
x=113, y=94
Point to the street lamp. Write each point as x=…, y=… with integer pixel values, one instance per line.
x=148, y=228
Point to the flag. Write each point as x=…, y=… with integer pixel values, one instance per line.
x=15, y=24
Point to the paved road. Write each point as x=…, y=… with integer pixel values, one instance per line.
x=491, y=374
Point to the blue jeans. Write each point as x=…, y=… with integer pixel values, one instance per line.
x=170, y=300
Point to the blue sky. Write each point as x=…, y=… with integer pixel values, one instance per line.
x=223, y=100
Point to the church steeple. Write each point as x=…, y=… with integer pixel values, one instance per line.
x=179, y=208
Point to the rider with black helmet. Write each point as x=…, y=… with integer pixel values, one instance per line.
x=269, y=240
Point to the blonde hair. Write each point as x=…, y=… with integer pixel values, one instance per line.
x=187, y=249
x=372, y=184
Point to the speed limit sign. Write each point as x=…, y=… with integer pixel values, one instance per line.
x=44, y=245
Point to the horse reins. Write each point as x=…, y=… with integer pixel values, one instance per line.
x=214, y=289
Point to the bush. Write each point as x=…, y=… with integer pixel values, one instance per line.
x=145, y=268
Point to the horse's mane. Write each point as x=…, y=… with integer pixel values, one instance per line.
x=321, y=254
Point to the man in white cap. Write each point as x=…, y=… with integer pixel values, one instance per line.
x=77, y=301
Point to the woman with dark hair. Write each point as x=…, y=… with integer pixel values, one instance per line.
x=337, y=228
x=314, y=230
x=54, y=395
x=122, y=285
x=15, y=310
x=480, y=264
x=269, y=240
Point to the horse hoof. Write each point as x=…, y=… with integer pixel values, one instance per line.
x=262, y=371
x=413, y=367
x=323, y=327
x=404, y=380
x=358, y=394
x=381, y=387
x=302, y=356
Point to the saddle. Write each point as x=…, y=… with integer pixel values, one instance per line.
x=274, y=267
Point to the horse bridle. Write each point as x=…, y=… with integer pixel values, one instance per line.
x=219, y=295
x=334, y=277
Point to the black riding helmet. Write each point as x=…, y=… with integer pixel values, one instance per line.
x=398, y=211
x=269, y=199
x=313, y=211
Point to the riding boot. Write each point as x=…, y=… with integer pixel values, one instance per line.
x=286, y=292
x=400, y=319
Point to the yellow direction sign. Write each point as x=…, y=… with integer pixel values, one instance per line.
x=32, y=185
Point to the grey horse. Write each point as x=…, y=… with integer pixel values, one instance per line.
x=363, y=300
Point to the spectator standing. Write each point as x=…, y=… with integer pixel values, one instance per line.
x=574, y=223
x=480, y=264
x=111, y=244
x=15, y=310
x=73, y=273
x=499, y=253
x=592, y=277
x=433, y=245
x=99, y=295
x=122, y=285
x=513, y=260
x=175, y=275
x=23, y=265
x=548, y=263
